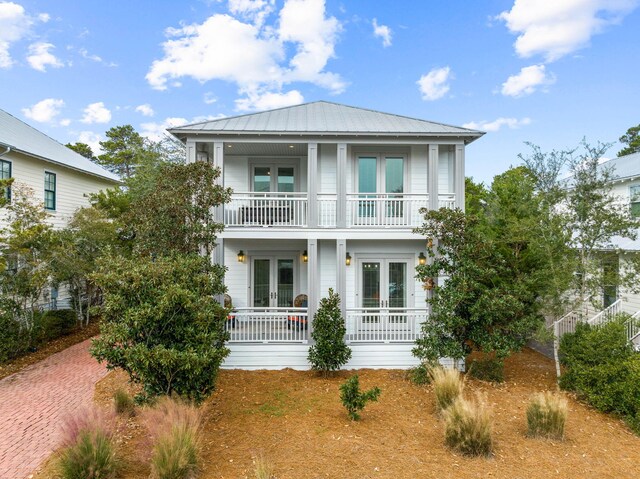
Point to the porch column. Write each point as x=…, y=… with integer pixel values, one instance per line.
x=432, y=177
x=458, y=179
x=313, y=284
x=191, y=151
x=341, y=275
x=312, y=185
x=218, y=162
x=341, y=186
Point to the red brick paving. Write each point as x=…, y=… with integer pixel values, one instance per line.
x=33, y=402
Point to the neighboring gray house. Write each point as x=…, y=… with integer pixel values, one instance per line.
x=326, y=196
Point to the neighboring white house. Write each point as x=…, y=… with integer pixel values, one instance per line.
x=326, y=196
x=60, y=178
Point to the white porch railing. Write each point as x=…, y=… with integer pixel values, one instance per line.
x=566, y=324
x=327, y=205
x=607, y=314
x=268, y=325
x=364, y=209
x=633, y=329
x=266, y=209
x=391, y=325
x=447, y=200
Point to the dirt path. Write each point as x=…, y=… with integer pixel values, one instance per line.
x=35, y=400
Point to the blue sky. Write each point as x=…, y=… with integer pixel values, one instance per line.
x=522, y=70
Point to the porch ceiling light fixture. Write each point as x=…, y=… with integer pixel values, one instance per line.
x=347, y=259
x=305, y=256
x=241, y=256
x=422, y=259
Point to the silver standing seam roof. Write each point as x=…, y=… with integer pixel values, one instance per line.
x=624, y=167
x=21, y=137
x=326, y=118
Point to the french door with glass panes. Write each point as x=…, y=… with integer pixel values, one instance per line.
x=272, y=281
x=380, y=184
x=273, y=178
x=384, y=290
x=274, y=199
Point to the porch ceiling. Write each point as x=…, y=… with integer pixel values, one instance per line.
x=265, y=149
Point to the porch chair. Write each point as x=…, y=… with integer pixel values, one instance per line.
x=231, y=318
x=299, y=322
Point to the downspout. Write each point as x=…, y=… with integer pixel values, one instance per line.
x=8, y=150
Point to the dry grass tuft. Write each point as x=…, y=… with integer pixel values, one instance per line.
x=547, y=415
x=447, y=386
x=468, y=427
x=123, y=403
x=86, y=419
x=263, y=467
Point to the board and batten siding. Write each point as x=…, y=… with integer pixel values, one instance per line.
x=72, y=186
x=327, y=166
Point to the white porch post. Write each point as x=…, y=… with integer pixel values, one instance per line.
x=312, y=185
x=313, y=286
x=341, y=275
x=432, y=177
x=191, y=151
x=458, y=179
x=218, y=162
x=341, y=186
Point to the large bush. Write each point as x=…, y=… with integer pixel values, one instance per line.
x=161, y=323
x=56, y=323
x=602, y=368
x=330, y=352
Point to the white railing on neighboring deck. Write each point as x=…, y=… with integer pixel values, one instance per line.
x=266, y=209
x=391, y=325
x=607, y=314
x=268, y=325
x=633, y=329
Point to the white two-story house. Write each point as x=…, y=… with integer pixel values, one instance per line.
x=326, y=196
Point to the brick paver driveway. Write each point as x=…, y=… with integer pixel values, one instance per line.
x=33, y=402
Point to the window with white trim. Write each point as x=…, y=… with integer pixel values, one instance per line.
x=5, y=174
x=634, y=199
x=49, y=190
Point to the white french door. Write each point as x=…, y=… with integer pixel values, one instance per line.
x=272, y=281
x=273, y=178
x=380, y=185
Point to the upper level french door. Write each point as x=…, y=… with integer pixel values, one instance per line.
x=273, y=178
x=380, y=185
x=272, y=281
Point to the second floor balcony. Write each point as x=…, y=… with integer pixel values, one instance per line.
x=361, y=210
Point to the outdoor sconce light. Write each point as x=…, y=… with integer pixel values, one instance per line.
x=347, y=259
x=241, y=256
x=305, y=256
x=422, y=259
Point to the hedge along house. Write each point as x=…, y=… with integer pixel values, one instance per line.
x=326, y=196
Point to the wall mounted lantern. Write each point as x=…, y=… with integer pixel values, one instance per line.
x=347, y=259
x=305, y=256
x=422, y=259
x=241, y=256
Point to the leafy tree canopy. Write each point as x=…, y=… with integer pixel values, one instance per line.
x=632, y=139
x=82, y=149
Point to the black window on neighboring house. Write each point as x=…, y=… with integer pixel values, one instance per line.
x=49, y=190
x=634, y=198
x=5, y=174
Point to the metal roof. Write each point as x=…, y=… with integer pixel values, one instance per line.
x=21, y=137
x=627, y=166
x=326, y=118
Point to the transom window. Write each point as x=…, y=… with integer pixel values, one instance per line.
x=49, y=190
x=5, y=174
x=634, y=194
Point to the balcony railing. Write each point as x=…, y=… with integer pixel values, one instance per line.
x=268, y=325
x=391, y=325
x=266, y=209
x=401, y=210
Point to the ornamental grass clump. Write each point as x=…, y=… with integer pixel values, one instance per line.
x=174, y=428
x=263, y=467
x=468, y=428
x=547, y=415
x=123, y=403
x=447, y=386
x=355, y=400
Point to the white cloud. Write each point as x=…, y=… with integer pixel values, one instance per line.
x=209, y=98
x=145, y=110
x=382, y=31
x=434, y=84
x=44, y=17
x=96, y=113
x=44, y=111
x=40, y=57
x=495, y=125
x=527, y=81
x=95, y=58
x=93, y=140
x=14, y=25
x=269, y=100
x=254, y=56
x=65, y=122
x=555, y=29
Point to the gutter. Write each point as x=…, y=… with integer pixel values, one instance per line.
x=8, y=150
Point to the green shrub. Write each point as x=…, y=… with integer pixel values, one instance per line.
x=547, y=415
x=420, y=375
x=487, y=369
x=92, y=456
x=468, y=427
x=353, y=399
x=602, y=368
x=330, y=352
x=13, y=340
x=161, y=324
x=447, y=386
x=57, y=323
x=123, y=403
